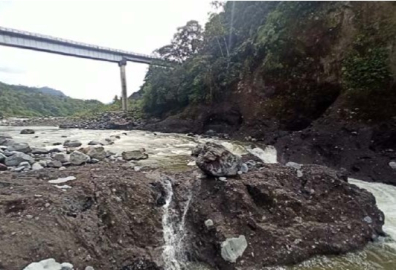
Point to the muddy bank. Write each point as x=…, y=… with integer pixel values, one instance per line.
x=112, y=216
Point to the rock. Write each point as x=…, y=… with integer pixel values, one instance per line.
x=134, y=155
x=62, y=168
x=40, y=151
x=209, y=223
x=43, y=162
x=36, y=166
x=2, y=158
x=18, y=169
x=392, y=164
x=62, y=157
x=54, y=164
x=73, y=143
x=3, y=167
x=368, y=219
x=244, y=168
x=62, y=180
x=224, y=179
x=5, y=139
x=216, y=160
x=210, y=132
x=20, y=147
x=294, y=165
x=93, y=161
x=27, y=131
x=109, y=153
x=233, y=248
x=17, y=158
x=49, y=264
x=299, y=173
x=57, y=143
x=78, y=158
x=89, y=268
x=94, y=143
x=25, y=165
x=97, y=152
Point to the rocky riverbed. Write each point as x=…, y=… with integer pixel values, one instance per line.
x=162, y=212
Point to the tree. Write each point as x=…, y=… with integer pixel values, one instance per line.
x=186, y=42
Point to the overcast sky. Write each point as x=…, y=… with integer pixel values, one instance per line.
x=139, y=26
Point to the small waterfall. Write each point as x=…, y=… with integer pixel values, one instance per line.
x=173, y=229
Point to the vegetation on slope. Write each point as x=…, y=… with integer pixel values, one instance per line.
x=300, y=55
x=29, y=101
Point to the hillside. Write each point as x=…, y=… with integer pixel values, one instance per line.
x=29, y=101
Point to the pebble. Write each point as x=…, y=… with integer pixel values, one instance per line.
x=209, y=223
x=47, y=205
x=224, y=179
x=29, y=216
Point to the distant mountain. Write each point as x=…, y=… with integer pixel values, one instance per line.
x=51, y=91
x=18, y=100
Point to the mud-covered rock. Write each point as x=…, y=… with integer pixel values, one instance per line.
x=216, y=160
x=284, y=218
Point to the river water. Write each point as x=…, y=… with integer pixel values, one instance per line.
x=173, y=152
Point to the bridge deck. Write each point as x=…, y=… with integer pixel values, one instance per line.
x=27, y=40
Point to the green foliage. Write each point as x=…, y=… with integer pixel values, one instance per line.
x=29, y=101
x=367, y=70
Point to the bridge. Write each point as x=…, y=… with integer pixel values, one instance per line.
x=37, y=42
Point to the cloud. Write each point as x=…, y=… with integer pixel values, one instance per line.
x=11, y=70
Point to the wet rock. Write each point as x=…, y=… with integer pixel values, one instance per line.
x=294, y=165
x=54, y=164
x=2, y=158
x=93, y=161
x=392, y=164
x=40, y=151
x=97, y=152
x=78, y=158
x=72, y=143
x=20, y=147
x=3, y=167
x=49, y=264
x=27, y=131
x=26, y=165
x=62, y=157
x=17, y=158
x=57, y=143
x=37, y=166
x=233, y=248
x=134, y=155
x=216, y=160
x=95, y=143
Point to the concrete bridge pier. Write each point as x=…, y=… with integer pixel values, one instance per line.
x=124, y=97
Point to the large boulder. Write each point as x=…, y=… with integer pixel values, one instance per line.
x=216, y=160
x=17, y=158
x=97, y=152
x=78, y=158
x=40, y=151
x=283, y=218
x=72, y=143
x=19, y=147
x=62, y=157
x=134, y=155
x=27, y=131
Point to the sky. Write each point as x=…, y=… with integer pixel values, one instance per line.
x=139, y=26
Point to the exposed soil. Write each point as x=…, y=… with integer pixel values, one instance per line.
x=111, y=217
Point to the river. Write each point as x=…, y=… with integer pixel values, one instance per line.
x=173, y=152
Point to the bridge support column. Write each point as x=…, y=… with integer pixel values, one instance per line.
x=124, y=99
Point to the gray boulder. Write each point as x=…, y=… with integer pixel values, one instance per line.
x=78, y=158
x=392, y=164
x=25, y=165
x=40, y=151
x=233, y=248
x=216, y=160
x=54, y=164
x=5, y=138
x=134, y=155
x=94, y=143
x=97, y=152
x=27, y=131
x=62, y=157
x=36, y=166
x=17, y=158
x=294, y=165
x=2, y=158
x=19, y=147
x=73, y=143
